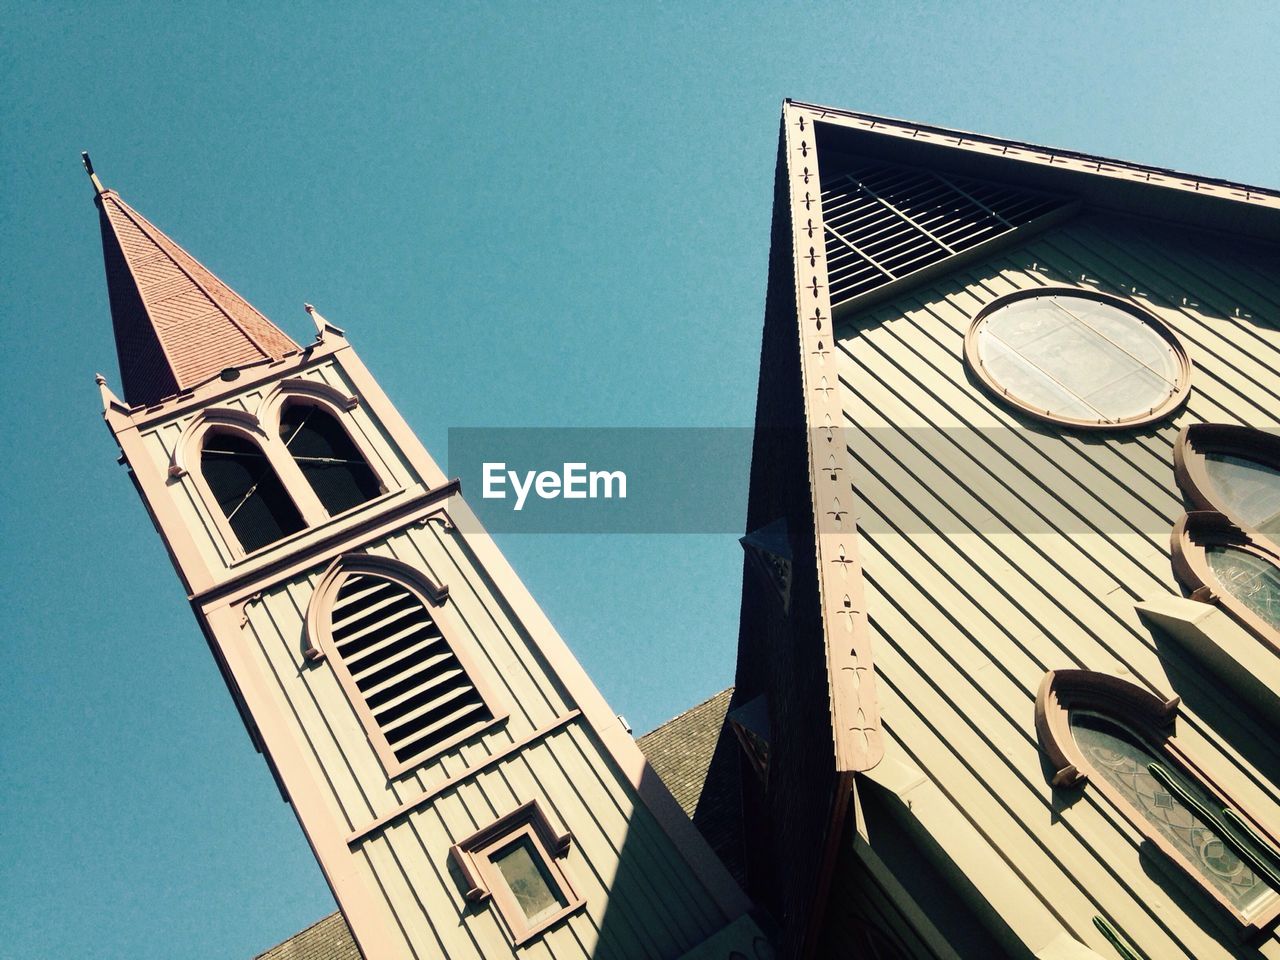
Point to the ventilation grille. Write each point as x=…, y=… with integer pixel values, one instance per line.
x=419, y=694
x=885, y=222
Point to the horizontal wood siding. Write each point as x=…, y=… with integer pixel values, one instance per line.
x=996, y=549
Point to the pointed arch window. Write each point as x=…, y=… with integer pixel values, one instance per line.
x=384, y=630
x=247, y=489
x=1218, y=562
x=1233, y=470
x=1119, y=737
x=331, y=461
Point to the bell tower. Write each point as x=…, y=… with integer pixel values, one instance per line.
x=465, y=788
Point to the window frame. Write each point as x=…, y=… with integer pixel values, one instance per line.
x=190, y=449
x=319, y=646
x=1208, y=528
x=474, y=858
x=315, y=393
x=1153, y=719
x=1000, y=393
x=1191, y=469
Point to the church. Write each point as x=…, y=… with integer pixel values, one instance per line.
x=1010, y=639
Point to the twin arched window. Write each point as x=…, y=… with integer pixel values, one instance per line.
x=1227, y=550
x=239, y=471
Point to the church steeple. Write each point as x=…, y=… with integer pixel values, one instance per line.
x=465, y=788
x=176, y=324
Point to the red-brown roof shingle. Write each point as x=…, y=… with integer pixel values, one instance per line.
x=176, y=324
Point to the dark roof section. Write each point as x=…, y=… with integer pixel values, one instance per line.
x=327, y=939
x=176, y=324
x=697, y=757
x=681, y=752
x=1158, y=192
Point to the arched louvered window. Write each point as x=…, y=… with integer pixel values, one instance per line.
x=327, y=456
x=414, y=690
x=1118, y=737
x=249, y=493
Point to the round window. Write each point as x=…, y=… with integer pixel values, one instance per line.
x=1078, y=358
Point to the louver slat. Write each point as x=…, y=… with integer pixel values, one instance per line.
x=396, y=687
x=883, y=222
x=446, y=727
x=387, y=648
x=373, y=678
x=412, y=681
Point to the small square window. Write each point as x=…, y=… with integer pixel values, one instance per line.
x=529, y=881
x=515, y=862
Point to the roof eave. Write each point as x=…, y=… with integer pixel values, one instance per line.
x=1205, y=202
x=855, y=714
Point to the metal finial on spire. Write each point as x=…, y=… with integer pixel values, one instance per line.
x=323, y=326
x=93, y=177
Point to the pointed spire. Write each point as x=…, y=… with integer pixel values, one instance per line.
x=176, y=324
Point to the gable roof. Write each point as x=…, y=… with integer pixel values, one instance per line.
x=826, y=156
x=680, y=750
x=810, y=132
x=176, y=324
x=326, y=939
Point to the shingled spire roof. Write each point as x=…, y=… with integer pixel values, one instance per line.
x=176, y=324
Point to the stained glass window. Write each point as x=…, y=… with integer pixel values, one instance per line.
x=1252, y=580
x=1248, y=489
x=328, y=458
x=529, y=880
x=1122, y=759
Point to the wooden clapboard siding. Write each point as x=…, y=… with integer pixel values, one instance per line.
x=384, y=849
x=995, y=548
x=657, y=910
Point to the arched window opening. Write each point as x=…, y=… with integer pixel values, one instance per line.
x=1233, y=470
x=408, y=682
x=1119, y=737
x=327, y=457
x=247, y=490
x=1221, y=563
x=1248, y=489
x=1250, y=579
x=1193, y=821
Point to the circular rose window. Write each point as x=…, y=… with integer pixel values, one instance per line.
x=1078, y=358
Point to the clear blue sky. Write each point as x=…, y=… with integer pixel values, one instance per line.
x=550, y=215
